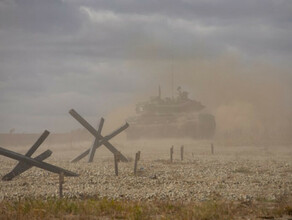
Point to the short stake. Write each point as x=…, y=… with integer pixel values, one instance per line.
x=61, y=181
x=137, y=158
x=182, y=153
x=171, y=154
x=212, y=149
x=116, y=159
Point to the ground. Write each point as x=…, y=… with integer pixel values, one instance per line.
x=232, y=176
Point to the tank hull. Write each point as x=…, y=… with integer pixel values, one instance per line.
x=199, y=126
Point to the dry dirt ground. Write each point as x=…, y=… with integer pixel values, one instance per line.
x=241, y=173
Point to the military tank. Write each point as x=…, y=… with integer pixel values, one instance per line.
x=176, y=117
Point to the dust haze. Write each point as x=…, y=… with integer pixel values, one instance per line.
x=250, y=100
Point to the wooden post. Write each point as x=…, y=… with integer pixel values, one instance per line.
x=137, y=158
x=61, y=181
x=182, y=153
x=212, y=148
x=171, y=154
x=116, y=158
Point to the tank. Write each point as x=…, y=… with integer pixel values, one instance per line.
x=175, y=117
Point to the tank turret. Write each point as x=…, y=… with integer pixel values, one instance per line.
x=171, y=117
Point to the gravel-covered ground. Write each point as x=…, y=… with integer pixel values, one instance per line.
x=232, y=173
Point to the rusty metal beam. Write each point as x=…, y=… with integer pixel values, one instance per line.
x=95, y=143
x=24, y=166
x=102, y=140
x=34, y=162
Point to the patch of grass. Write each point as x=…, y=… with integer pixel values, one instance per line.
x=168, y=162
x=94, y=208
x=263, y=199
x=287, y=171
x=243, y=170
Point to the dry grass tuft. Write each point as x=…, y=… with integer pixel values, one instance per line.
x=94, y=208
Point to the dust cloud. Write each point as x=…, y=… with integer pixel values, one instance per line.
x=250, y=100
x=117, y=118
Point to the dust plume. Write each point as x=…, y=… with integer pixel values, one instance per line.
x=251, y=101
x=117, y=118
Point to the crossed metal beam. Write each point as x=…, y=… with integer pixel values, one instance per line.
x=99, y=139
x=26, y=162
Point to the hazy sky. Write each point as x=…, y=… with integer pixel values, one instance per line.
x=56, y=55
